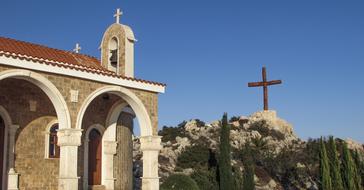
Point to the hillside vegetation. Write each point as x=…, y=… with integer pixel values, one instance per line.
x=265, y=155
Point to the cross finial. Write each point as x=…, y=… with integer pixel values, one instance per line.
x=77, y=48
x=117, y=15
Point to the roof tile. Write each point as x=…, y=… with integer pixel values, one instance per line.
x=56, y=57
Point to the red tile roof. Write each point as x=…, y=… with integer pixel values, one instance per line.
x=55, y=57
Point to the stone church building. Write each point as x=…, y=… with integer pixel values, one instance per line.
x=66, y=119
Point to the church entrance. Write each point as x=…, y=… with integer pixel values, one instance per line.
x=2, y=136
x=94, y=158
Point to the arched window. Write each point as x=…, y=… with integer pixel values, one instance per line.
x=52, y=150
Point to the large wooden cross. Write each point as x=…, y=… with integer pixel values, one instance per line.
x=265, y=85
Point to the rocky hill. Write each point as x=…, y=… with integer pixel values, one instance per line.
x=282, y=160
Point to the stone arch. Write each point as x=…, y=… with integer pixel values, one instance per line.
x=150, y=144
x=6, y=117
x=48, y=88
x=112, y=117
x=8, y=123
x=132, y=100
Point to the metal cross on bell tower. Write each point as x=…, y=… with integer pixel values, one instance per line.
x=117, y=15
x=265, y=85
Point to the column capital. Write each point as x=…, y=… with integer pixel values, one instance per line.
x=13, y=128
x=69, y=137
x=150, y=143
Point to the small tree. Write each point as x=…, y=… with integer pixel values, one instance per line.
x=335, y=174
x=226, y=181
x=348, y=168
x=360, y=166
x=325, y=178
x=248, y=177
x=357, y=170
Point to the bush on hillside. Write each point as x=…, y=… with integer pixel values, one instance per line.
x=200, y=123
x=170, y=133
x=234, y=118
x=179, y=182
x=206, y=179
x=196, y=156
x=265, y=131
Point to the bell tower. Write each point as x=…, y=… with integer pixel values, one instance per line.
x=117, y=48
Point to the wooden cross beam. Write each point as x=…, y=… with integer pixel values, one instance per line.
x=265, y=85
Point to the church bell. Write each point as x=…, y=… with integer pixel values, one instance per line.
x=114, y=57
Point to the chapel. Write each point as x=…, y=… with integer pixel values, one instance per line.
x=67, y=119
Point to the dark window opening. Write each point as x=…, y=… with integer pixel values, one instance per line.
x=53, y=147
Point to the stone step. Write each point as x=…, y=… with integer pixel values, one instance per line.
x=96, y=187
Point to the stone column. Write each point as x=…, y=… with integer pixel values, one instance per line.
x=68, y=140
x=109, y=152
x=150, y=145
x=124, y=156
x=13, y=177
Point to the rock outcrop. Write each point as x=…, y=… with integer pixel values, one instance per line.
x=276, y=133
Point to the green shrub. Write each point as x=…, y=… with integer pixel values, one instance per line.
x=179, y=182
x=249, y=168
x=261, y=127
x=182, y=124
x=170, y=133
x=206, y=180
x=200, y=123
x=196, y=156
x=234, y=118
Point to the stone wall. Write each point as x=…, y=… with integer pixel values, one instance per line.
x=65, y=84
x=36, y=171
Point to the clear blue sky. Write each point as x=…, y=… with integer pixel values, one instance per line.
x=207, y=51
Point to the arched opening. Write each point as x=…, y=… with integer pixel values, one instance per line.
x=6, y=123
x=113, y=55
x=32, y=110
x=32, y=101
x=2, y=149
x=116, y=107
x=130, y=99
x=122, y=119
